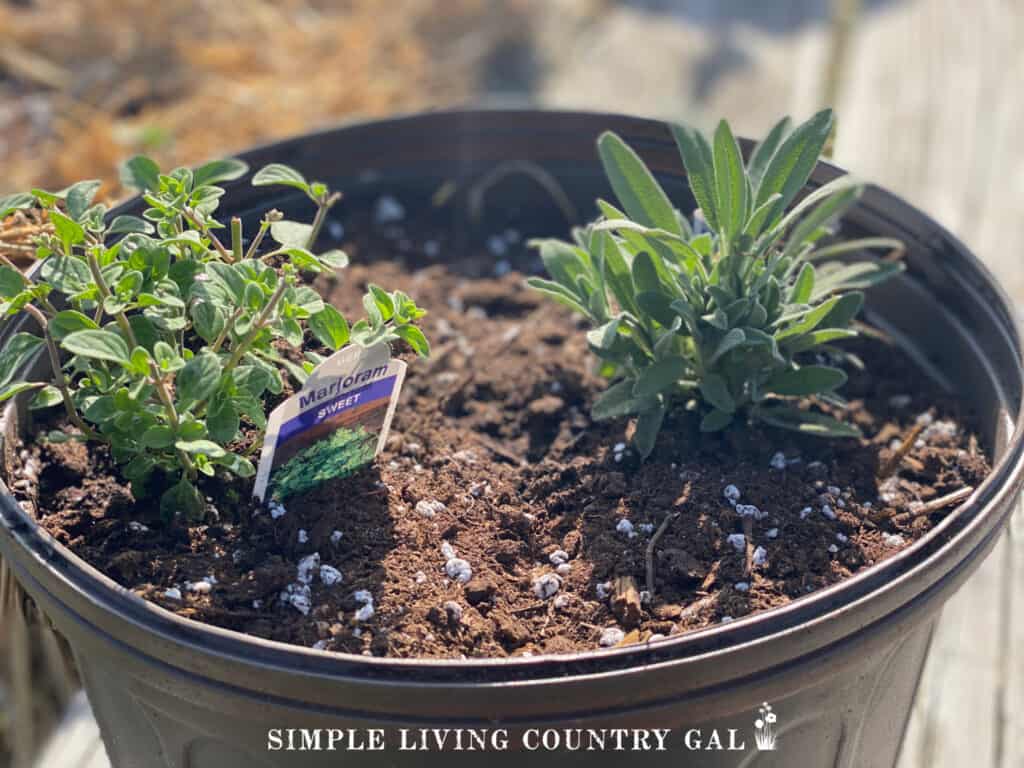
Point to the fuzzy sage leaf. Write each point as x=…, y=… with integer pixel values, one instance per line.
x=741, y=318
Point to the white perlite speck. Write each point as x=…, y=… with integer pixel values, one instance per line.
x=429, y=507
x=805, y=513
x=307, y=566
x=760, y=556
x=303, y=536
x=558, y=557
x=833, y=548
x=336, y=537
x=842, y=538
x=731, y=494
x=459, y=570
x=892, y=540
x=320, y=645
x=420, y=577
x=202, y=587
x=945, y=429
x=749, y=510
x=646, y=528
x=828, y=512
x=454, y=612
x=741, y=586
x=388, y=210
x=547, y=585
x=778, y=461
x=625, y=527
x=277, y=510
x=330, y=575
x=173, y=593
x=772, y=533
x=365, y=599
x=365, y=612
x=727, y=619
x=564, y=569
x=298, y=596
x=603, y=590
x=447, y=550
x=137, y=527
x=561, y=602
x=738, y=541
x=611, y=636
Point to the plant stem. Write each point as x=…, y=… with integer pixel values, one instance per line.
x=154, y=374
x=194, y=221
x=321, y=215
x=236, y=238
x=52, y=310
x=172, y=415
x=227, y=328
x=255, y=244
x=60, y=380
x=243, y=346
x=268, y=219
x=121, y=317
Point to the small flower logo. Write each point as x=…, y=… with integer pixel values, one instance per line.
x=764, y=728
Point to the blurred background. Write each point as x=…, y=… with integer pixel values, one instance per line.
x=928, y=94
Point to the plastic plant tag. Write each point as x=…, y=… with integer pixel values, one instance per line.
x=334, y=425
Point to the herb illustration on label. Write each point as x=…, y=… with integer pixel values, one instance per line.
x=334, y=425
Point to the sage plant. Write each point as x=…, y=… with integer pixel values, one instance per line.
x=738, y=308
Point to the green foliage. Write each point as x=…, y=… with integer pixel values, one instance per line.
x=339, y=456
x=736, y=309
x=167, y=341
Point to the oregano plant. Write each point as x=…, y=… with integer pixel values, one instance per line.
x=164, y=337
x=737, y=308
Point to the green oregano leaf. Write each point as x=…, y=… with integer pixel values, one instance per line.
x=277, y=173
x=96, y=345
x=219, y=170
x=141, y=173
x=199, y=377
x=330, y=327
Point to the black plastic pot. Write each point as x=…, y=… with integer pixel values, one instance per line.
x=839, y=666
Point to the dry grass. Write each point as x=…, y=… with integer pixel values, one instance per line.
x=92, y=81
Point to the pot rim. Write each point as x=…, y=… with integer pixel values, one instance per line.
x=816, y=609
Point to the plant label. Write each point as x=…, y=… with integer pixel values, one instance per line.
x=334, y=425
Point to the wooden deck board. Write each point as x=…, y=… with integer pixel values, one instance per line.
x=77, y=742
x=955, y=721
x=1012, y=674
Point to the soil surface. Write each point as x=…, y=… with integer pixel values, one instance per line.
x=495, y=470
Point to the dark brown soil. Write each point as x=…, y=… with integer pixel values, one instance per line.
x=495, y=427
